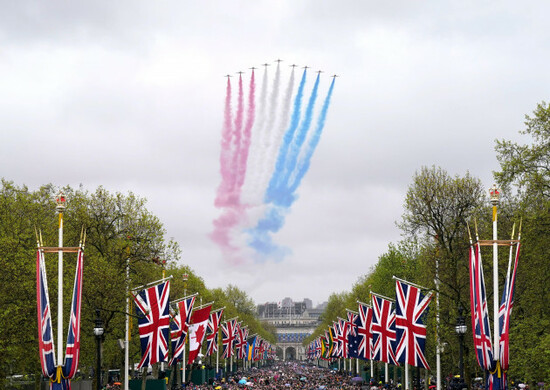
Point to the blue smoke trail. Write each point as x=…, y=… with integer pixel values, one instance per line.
x=275, y=181
x=282, y=196
x=304, y=163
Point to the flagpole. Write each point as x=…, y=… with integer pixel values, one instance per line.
x=150, y=284
x=495, y=195
x=438, y=342
x=127, y=324
x=386, y=373
x=184, y=364
x=60, y=200
x=406, y=376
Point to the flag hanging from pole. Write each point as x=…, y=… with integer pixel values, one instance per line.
x=212, y=333
x=480, y=314
x=506, y=311
x=72, y=351
x=179, y=328
x=228, y=337
x=46, y=345
x=410, y=342
x=383, y=330
x=197, y=331
x=153, y=304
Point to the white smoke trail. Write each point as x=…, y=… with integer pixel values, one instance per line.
x=276, y=137
x=250, y=194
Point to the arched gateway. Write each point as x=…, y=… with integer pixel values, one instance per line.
x=293, y=323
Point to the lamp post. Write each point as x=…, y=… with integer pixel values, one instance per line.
x=98, y=332
x=460, y=329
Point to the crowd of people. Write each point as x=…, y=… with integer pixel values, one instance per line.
x=285, y=376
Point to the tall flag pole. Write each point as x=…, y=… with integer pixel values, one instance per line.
x=60, y=208
x=67, y=365
x=493, y=358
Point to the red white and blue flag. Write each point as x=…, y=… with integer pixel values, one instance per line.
x=480, y=315
x=240, y=345
x=318, y=348
x=383, y=330
x=506, y=311
x=72, y=351
x=364, y=350
x=212, y=332
x=228, y=338
x=336, y=339
x=350, y=333
x=179, y=327
x=410, y=343
x=153, y=304
x=45, y=334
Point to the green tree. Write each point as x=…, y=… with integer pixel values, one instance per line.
x=527, y=168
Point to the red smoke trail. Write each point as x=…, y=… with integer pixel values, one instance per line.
x=234, y=193
x=243, y=158
x=225, y=155
x=235, y=148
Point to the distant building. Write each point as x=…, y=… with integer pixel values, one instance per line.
x=293, y=321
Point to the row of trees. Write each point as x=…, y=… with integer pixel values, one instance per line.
x=439, y=209
x=121, y=233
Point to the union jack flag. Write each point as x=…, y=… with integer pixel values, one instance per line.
x=318, y=348
x=410, y=343
x=153, y=303
x=72, y=350
x=480, y=315
x=212, y=332
x=364, y=350
x=506, y=311
x=240, y=345
x=228, y=338
x=179, y=327
x=383, y=330
x=336, y=340
x=45, y=334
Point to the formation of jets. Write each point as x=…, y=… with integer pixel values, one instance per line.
x=278, y=61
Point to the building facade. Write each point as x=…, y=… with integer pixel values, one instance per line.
x=293, y=321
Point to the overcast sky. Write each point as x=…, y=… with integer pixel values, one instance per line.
x=130, y=94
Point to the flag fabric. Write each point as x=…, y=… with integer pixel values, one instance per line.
x=506, y=311
x=349, y=332
x=330, y=342
x=240, y=345
x=410, y=342
x=318, y=348
x=335, y=337
x=257, y=347
x=197, y=331
x=179, y=327
x=383, y=330
x=72, y=350
x=45, y=334
x=251, y=347
x=228, y=337
x=364, y=333
x=355, y=338
x=153, y=304
x=212, y=334
x=480, y=315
